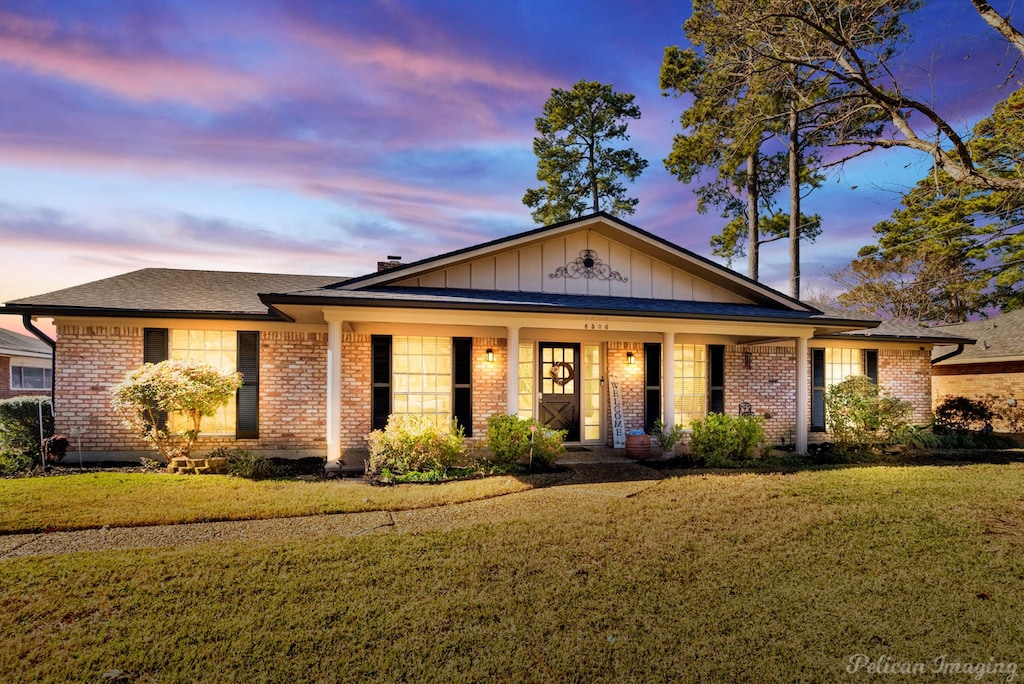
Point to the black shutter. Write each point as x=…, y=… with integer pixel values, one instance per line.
x=462, y=377
x=818, y=390
x=154, y=350
x=871, y=364
x=380, y=363
x=652, y=384
x=716, y=373
x=154, y=345
x=247, y=417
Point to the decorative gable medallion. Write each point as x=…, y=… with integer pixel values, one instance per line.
x=588, y=266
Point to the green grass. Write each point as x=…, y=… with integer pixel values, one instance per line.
x=131, y=499
x=711, y=577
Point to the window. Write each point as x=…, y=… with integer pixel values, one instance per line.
x=691, y=380
x=422, y=377
x=832, y=366
x=31, y=378
x=218, y=348
x=591, y=368
x=527, y=393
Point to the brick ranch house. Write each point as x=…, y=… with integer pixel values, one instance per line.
x=25, y=366
x=992, y=367
x=566, y=323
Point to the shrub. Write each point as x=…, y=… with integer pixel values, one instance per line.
x=245, y=463
x=19, y=424
x=960, y=415
x=193, y=390
x=667, y=437
x=414, y=443
x=514, y=440
x=859, y=413
x=12, y=461
x=725, y=441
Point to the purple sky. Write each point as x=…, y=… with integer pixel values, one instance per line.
x=319, y=136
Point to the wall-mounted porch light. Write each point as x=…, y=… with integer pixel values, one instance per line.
x=630, y=359
x=490, y=355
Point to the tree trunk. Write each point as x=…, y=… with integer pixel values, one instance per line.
x=753, y=234
x=794, y=201
x=592, y=170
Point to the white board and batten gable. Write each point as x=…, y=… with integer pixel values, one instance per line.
x=597, y=256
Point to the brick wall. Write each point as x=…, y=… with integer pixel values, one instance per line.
x=768, y=385
x=489, y=382
x=356, y=394
x=907, y=374
x=631, y=385
x=1001, y=381
x=92, y=359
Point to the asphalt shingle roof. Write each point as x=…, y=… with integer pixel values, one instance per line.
x=12, y=341
x=514, y=300
x=997, y=338
x=174, y=290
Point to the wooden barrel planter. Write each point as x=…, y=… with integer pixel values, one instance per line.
x=638, y=446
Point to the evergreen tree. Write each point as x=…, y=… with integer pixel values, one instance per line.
x=953, y=249
x=579, y=169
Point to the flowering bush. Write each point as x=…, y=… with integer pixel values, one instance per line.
x=413, y=443
x=191, y=390
x=510, y=440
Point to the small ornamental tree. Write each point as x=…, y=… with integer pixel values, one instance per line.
x=191, y=390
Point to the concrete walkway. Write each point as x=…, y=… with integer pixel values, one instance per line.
x=607, y=477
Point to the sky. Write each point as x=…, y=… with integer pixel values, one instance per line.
x=319, y=136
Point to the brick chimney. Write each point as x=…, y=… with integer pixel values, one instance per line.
x=391, y=263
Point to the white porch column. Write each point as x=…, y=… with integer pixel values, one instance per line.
x=668, y=378
x=802, y=400
x=334, y=391
x=512, y=371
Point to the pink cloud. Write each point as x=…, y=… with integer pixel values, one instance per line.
x=36, y=45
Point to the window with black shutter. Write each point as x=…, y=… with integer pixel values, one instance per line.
x=155, y=348
x=652, y=384
x=871, y=364
x=716, y=378
x=462, y=383
x=380, y=363
x=247, y=416
x=818, y=390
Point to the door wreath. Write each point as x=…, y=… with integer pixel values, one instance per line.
x=561, y=372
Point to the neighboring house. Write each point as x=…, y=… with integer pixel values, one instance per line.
x=549, y=323
x=25, y=366
x=993, y=367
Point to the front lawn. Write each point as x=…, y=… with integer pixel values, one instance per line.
x=702, y=577
x=96, y=499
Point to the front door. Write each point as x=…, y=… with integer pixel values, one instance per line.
x=560, y=388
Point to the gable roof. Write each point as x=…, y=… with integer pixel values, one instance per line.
x=603, y=223
x=998, y=339
x=15, y=344
x=169, y=292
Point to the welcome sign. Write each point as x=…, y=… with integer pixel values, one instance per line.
x=618, y=420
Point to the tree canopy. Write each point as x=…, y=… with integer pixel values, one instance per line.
x=580, y=170
x=952, y=249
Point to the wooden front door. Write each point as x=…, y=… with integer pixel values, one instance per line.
x=560, y=388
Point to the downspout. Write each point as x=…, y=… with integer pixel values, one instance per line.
x=26, y=320
x=959, y=350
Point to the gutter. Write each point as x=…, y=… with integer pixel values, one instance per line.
x=26, y=320
x=956, y=352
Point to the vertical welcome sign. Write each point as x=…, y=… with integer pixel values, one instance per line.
x=618, y=420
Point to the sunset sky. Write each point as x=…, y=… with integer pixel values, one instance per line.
x=320, y=136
